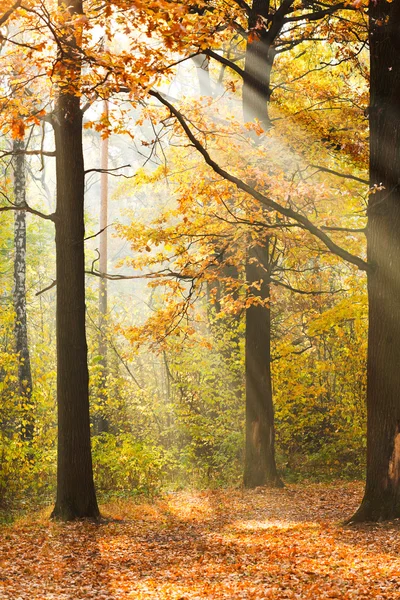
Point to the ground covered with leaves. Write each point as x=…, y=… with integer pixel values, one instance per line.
x=218, y=544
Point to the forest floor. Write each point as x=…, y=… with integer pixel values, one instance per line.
x=197, y=545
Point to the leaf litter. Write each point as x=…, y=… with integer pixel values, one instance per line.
x=225, y=544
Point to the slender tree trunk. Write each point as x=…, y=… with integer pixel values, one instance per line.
x=260, y=466
x=19, y=294
x=260, y=55
x=76, y=496
x=101, y=422
x=382, y=492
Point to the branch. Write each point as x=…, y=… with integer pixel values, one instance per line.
x=279, y=356
x=8, y=14
x=343, y=175
x=98, y=233
x=247, y=78
x=278, y=20
x=116, y=277
x=307, y=292
x=111, y=277
x=53, y=284
x=28, y=153
x=28, y=209
x=345, y=229
x=110, y=171
x=320, y=14
x=271, y=204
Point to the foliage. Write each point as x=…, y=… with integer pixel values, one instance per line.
x=319, y=392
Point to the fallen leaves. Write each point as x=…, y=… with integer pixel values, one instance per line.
x=278, y=544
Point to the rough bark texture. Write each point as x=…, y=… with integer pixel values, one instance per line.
x=19, y=294
x=76, y=496
x=260, y=466
x=382, y=493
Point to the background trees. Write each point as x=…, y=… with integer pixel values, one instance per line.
x=227, y=219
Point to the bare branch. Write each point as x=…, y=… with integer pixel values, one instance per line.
x=46, y=289
x=278, y=357
x=306, y=292
x=344, y=229
x=28, y=209
x=110, y=171
x=343, y=175
x=155, y=275
x=98, y=233
x=28, y=153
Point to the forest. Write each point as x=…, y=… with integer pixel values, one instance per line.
x=200, y=299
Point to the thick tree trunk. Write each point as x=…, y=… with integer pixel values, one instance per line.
x=76, y=496
x=260, y=466
x=19, y=294
x=382, y=492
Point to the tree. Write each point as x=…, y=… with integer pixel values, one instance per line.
x=260, y=467
x=100, y=420
x=382, y=492
x=19, y=292
x=76, y=496
x=263, y=44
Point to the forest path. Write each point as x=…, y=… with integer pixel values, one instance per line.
x=279, y=544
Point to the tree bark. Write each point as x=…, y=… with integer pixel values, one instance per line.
x=260, y=55
x=76, y=496
x=19, y=294
x=101, y=424
x=260, y=466
x=382, y=491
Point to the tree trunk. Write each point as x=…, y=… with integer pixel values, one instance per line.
x=382, y=492
x=260, y=55
x=19, y=294
x=260, y=466
x=101, y=424
x=76, y=496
